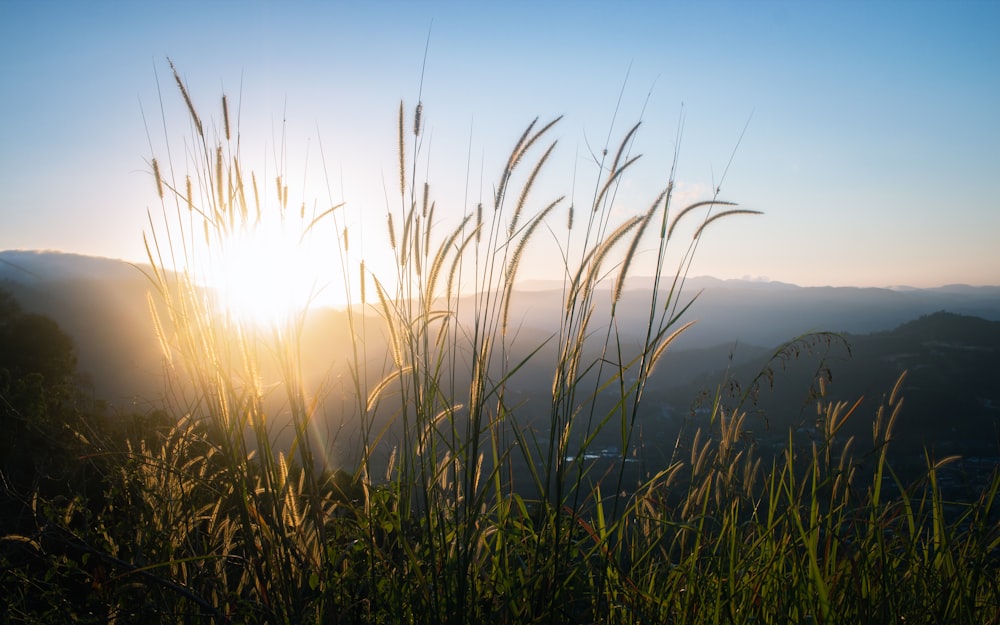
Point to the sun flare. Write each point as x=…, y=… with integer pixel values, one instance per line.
x=262, y=274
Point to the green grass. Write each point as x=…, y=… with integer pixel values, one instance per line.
x=482, y=515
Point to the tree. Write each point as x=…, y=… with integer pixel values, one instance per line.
x=37, y=412
x=33, y=343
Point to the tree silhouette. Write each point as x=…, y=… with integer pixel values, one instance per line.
x=32, y=343
x=38, y=447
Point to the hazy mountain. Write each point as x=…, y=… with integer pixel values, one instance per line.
x=768, y=313
x=102, y=304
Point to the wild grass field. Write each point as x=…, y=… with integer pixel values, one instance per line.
x=462, y=506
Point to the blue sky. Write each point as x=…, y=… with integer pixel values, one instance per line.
x=873, y=143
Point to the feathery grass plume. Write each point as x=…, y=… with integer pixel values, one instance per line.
x=623, y=145
x=729, y=213
x=896, y=403
x=690, y=207
x=376, y=393
x=633, y=246
x=417, y=118
x=515, y=154
x=428, y=229
x=222, y=204
x=441, y=255
x=665, y=343
x=527, y=188
x=187, y=99
x=512, y=161
x=405, y=239
x=535, y=137
x=256, y=195
x=479, y=222
x=159, y=180
x=615, y=175
x=882, y=430
x=894, y=396
x=225, y=116
x=569, y=217
x=594, y=259
x=416, y=244
x=188, y=193
x=392, y=231
x=317, y=219
x=515, y=261
x=347, y=246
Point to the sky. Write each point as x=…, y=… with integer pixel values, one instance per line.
x=867, y=132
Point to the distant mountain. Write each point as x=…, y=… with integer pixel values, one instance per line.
x=768, y=313
x=102, y=303
x=27, y=266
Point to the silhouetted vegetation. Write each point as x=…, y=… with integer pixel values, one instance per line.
x=38, y=411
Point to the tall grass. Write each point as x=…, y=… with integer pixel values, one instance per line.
x=481, y=510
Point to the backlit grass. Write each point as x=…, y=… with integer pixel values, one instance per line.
x=462, y=507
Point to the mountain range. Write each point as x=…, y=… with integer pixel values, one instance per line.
x=102, y=304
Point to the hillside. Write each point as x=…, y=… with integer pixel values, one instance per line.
x=102, y=304
x=951, y=395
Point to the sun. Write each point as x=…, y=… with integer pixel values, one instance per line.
x=262, y=274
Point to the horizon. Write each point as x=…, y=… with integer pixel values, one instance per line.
x=637, y=282
x=866, y=176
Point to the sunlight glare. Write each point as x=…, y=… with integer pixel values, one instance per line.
x=263, y=275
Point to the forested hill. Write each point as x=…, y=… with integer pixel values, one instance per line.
x=951, y=390
x=952, y=387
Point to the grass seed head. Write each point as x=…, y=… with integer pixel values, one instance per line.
x=159, y=180
x=392, y=231
x=225, y=116
x=187, y=100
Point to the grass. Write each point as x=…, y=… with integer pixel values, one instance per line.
x=463, y=507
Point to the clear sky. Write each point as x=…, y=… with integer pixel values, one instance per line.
x=873, y=143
